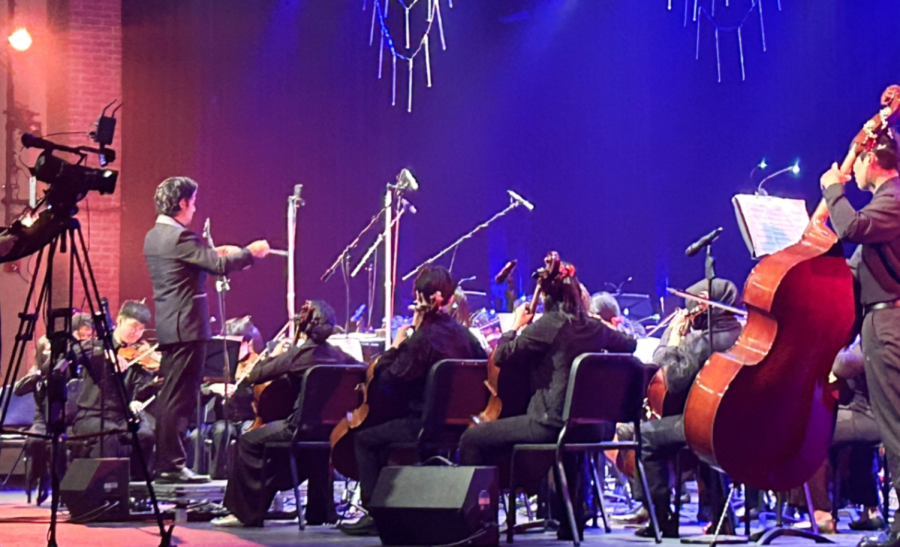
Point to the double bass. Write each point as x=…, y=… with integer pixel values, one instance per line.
x=763, y=411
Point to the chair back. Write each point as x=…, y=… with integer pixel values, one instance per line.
x=454, y=392
x=21, y=409
x=327, y=394
x=605, y=387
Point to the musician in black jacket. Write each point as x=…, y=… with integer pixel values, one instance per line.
x=400, y=376
x=544, y=351
x=681, y=355
x=247, y=496
x=876, y=268
x=178, y=262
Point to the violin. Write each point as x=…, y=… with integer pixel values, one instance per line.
x=762, y=411
x=148, y=357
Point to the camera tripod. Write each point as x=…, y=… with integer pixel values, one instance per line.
x=62, y=348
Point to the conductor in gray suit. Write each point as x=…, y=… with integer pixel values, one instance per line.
x=178, y=261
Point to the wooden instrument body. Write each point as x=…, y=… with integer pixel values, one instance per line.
x=377, y=407
x=762, y=411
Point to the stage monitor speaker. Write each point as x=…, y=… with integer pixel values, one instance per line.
x=436, y=505
x=96, y=489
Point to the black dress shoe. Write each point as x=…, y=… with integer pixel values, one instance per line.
x=869, y=525
x=183, y=476
x=665, y=530
x=363, y=527
x=881, y=540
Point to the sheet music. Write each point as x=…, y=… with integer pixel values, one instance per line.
x=768, y=223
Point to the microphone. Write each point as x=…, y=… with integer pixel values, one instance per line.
x=206, y=229
x=406, y=180
x=504, y=273
x=521, y=200
x=405, y=203
x=704, y=241
x=357, y=315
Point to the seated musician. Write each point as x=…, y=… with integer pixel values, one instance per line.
x=246, y=496
x=682, y=352
x=855, y=424
x=100, y=408
x=402, y=371
x=238, y=409
x=37, y=450
x=605, y=306
x=545, y=349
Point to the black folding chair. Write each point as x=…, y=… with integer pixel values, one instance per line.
x=19, y=417
x=603, y=388
x=327, y=394
x=455, y=391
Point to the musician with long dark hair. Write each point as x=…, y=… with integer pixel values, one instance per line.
x=247, y=495
x=401, y=372
x=545, y=350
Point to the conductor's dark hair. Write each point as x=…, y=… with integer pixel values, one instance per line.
x=132, y=309
x=170, y=192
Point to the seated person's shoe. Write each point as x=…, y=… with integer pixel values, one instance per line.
x=183, y=476
x=667, y=531
x=635, y=517
x=881, y=540
x=826, y=526
x=231, y=521
x=363, y=527
x=871, y=524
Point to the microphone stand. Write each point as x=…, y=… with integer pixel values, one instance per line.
x=393, y=199
x=513, y=203
x=223, y=285
x=294, y=203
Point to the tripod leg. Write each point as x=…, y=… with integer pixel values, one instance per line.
x=92, y=294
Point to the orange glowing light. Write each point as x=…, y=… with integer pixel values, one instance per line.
x=20, y=40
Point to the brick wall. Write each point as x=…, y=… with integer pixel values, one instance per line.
x=89, y=35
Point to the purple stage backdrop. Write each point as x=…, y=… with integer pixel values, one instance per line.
x=595, y=111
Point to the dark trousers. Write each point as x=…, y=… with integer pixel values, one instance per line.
x=881, y=351
x=220, y=452
x=488, y=443
x=253, y=481
x=181, y=366
x=371, y=447
x=662, y=440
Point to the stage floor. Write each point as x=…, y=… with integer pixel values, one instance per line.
x=29, y=528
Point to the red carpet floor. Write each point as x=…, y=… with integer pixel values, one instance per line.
x=25, y=532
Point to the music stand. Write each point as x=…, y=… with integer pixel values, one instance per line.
x=213, y=370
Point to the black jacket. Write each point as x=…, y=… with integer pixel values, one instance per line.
x=682, y=363
x=179, y=262
x=291, y=365
x=401, y=372
x=876, y=227
x=547, y=348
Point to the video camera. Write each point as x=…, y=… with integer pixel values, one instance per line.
x=68, y=183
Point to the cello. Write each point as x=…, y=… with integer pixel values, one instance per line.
x=763, y=411
x=377, y=407
x=509, y=393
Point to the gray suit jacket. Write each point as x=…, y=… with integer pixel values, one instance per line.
x=179, y=262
